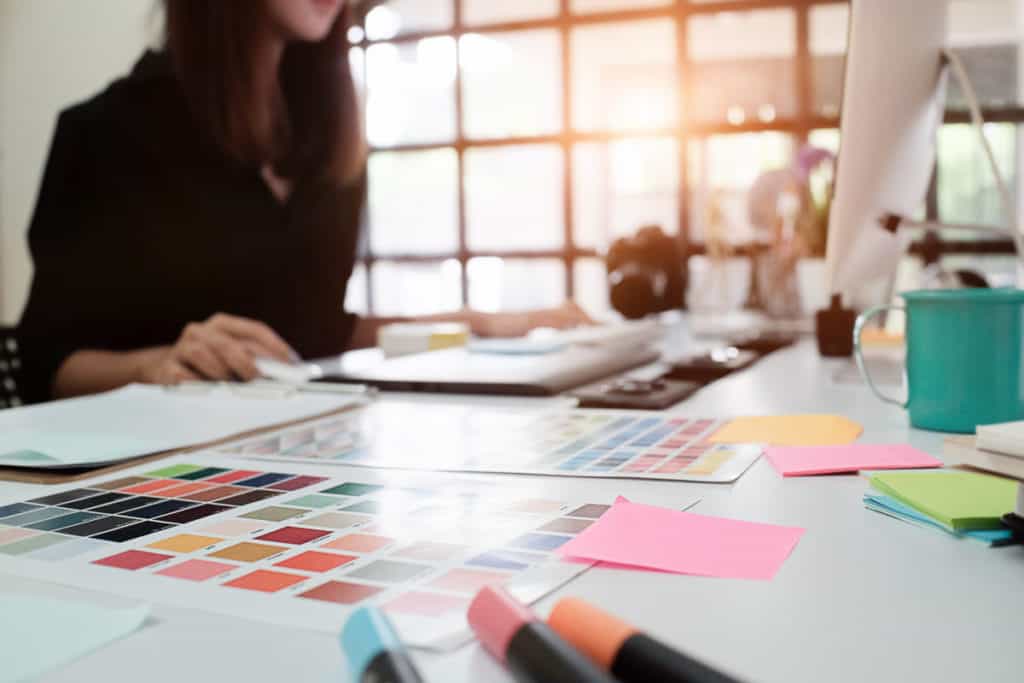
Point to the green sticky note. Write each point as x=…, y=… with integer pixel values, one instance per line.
x=174, y=471
x=40, y=634
x=958, y=500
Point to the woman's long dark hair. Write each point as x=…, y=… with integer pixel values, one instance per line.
x=319, y=134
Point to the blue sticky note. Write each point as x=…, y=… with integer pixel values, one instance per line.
x=40, y=634
x=892, y=507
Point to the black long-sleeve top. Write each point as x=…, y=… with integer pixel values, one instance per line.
x=143, y=224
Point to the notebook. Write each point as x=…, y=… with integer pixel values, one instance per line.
x=1006, y=438
x=959, y=501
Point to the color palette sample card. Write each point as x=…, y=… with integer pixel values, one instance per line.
x=575, y=442
x=295, y=548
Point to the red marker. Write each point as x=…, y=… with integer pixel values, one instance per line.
x=622, y=649
x=532, y=651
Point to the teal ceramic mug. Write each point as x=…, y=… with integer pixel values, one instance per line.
x=964, y=357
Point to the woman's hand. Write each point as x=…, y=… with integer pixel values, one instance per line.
x=224, y=347
x=518, y=324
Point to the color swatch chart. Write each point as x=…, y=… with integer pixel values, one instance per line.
x=579, y=443
x=295, y=548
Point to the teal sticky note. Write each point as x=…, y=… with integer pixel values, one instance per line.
x=40, y=634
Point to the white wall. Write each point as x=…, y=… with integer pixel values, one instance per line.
x=52, y=53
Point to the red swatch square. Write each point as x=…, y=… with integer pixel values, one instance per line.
x=233, y=475
x=341, y=592
x=151, y=485
x=293, y=535
x=132, y=559
x=313, y=561
x=265, y=581
x=196, y=570
x=296, y=483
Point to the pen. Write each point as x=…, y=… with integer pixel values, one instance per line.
x=374, y=652
x=628, y=654
x=513, y=634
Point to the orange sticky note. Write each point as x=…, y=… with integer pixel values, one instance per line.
x=790, y=430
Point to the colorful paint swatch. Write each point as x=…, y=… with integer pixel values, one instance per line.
x=387, y=571
x=55, y=523
x=182, y=490
x=185, y=543
x=94, y=501
x=265, y=581
x=505, y=559
x=263, y=479
x=133, y=531
x=164, y=507
x=216, y=493
x=337, y=520
x=313, y=561
x=98, y=526
x=423, y=604
x=359, y=543
x=591, y=511
x=249, y=497
x=194, y=513
x=132, y=559
x=33, y=516
x=566, y=525
x=60, y=498
x=293, y=535
x=10, y=535
x=541, y=542
x=232, y=528
x=314, y=501
x=121, y=483
x=173, y=471
x=17, y=509
x=274, y=513
x=353, y=489
x=150, y=486
x=296, y=483
x=341, y=592
x=32, y=544
x=196, y=570
x=468, y=581
x=203, y=473
x=427, y=551
x=248, y=552
x=125, y=504
x=368, y=507
x=232, y=476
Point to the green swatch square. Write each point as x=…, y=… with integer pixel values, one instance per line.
x=314, y=501
x=173, y=471
x=352, y=489
x=28, y=545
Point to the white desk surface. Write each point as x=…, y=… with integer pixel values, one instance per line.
x=862, y=598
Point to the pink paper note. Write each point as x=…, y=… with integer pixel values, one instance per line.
x=649, y=537
x=797, y=462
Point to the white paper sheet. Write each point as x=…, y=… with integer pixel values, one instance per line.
x=140, y=419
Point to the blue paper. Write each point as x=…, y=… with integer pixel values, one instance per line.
x=894, y=508
x=40, y=634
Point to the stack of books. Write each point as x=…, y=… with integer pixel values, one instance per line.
x=961, y=504
x=999, y=449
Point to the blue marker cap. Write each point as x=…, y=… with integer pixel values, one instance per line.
x=367, y=634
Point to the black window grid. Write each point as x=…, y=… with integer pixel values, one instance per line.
x=686, y=130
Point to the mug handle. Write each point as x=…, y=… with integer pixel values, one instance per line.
x=858, y=328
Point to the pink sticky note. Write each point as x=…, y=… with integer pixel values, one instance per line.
x=797, y=462
x=649, y=537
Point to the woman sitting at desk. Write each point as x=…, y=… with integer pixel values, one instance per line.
x=204, y=210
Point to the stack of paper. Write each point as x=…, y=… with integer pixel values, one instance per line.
x=964, y=504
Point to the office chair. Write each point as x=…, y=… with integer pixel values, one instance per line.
x=10, y=368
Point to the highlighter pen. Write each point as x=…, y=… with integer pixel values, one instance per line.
x=628, y=654
x=513, y=634
x=374, y=652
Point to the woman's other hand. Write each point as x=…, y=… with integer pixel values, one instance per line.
x=224, y=347
x=566, y=316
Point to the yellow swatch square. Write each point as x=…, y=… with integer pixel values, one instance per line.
x=790, y=430
x=185, y=543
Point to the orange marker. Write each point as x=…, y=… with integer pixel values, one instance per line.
x=631, y=656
